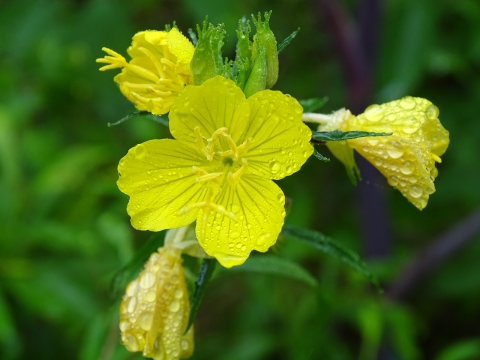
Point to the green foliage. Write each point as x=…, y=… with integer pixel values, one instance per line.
x=313, y=104
x=320, y=156
x=157, y=118
x=337, y=135
x=287, y=41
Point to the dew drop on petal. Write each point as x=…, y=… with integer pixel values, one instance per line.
x=374, y=113
x=274, y=167
x=131, y=343
x=178, y=293
x=174, y=306
x=406, y=169
x=132, y=304
x=416, y=191
x=132, y=288
x=392, y=180
x=147, y=280
x=395, y=153
x=262, y=239
x=408, y=103
x=150, y=296
x=146, y=320
x=432, y=112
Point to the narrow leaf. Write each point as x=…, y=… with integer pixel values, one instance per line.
x=203, y=277
x=338, y=135
x=193, y=36
x=287, y=41
x=320, y=156
x=331, y=247
x=313, y=104
x=130, y=270
x=159, y=119
x=274, y=265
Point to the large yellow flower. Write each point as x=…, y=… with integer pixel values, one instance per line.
x=407, y=157
x=158, y=71
x=218, y=171
x=155, y=309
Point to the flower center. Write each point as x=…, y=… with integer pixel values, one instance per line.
x=230, y=162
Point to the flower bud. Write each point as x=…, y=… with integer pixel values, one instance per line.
x=155, y=309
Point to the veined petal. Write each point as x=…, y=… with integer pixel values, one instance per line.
x=158, y=177
x=281, y=141
x=149, y=39
x=258, y=206
x=402, y=163
x=217, y=103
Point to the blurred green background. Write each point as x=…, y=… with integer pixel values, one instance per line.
x=64, y=231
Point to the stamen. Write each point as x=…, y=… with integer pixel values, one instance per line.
x=234, y=178
x=154, y=60
x=436, y=158
x=208, y=177
x=232, y=145
x=245, y=146
x=142, y=72
x=115, y=60
x=201, y=145
x=144, y=99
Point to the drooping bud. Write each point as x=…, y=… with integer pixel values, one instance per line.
x=264, y=72
x=155, y=309
x=207, y=60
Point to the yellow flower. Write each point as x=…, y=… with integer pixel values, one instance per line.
x=158, y=71
x=218, y=171
x=407, y=157
x=155, y=309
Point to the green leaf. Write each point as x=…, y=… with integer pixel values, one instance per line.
x=287, y=41
x=331, y=247
x=320, y=156
x=464, y=350
x=129, y=271
x=274, y=265
x=157, y=118
x=337, y=135
x=203, y=277
x=313, y=104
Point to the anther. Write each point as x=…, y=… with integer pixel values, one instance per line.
x=435, y=158
x=234, y=178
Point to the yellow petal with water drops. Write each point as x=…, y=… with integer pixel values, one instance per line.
x=160, y=178
x=280, y=141
x=250, y=217
x=183, y=51
x=407, y=158
x=217, y=103
x=155, y=309
x=150, y=40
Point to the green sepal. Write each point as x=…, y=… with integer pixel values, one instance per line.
x=243, y=56
x=264, y=72
x=274, y=265
x=331, y=247
x=337, y=135
x=313, y=104
x=127, y=273
x=343, y=152
x=157, y=118
x=203, y=277
x=207, y=60
x=287, y=41
x=320, y=156
x=193, y=36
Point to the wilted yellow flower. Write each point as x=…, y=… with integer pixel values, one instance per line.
x=407, y=157
x=158, y=71
x=155, y=309
x=219, y=169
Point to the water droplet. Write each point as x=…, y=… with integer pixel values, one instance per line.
x=410, y=126
x=374, y=113
x=416, y=191
x=281, y=197
x=262, y=239
x=274, y=167
x=132, y=288
x=147, y=280
x=392, y=180
x=244, y=248
x=412, y=179
x=124, y=325
x=131, y=343
x=150, y=296
x=132, y=304
x=145, y=321
x=289, y=169
x=234, y=234
x=395, y=153
x=408, y=103
x=174, y=306
x=235, y=208
x=139, y=151
x=406, y=169
x=429, y=190
x=184, y=344
x=178, y=293
x=373, y=142
x=432, y=112
x=378, y=162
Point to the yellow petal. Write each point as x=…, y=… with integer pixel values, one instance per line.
x=280, y=140
x=155, y=309
x=407, y=158
x=183, y=50
x=258, y=206
x=158, y=177
x=217, y=103
x=149, y=39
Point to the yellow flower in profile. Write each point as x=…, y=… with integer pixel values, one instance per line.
x=407, y=157
x=220, y=168
x=155, y=309
x=158, y=71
